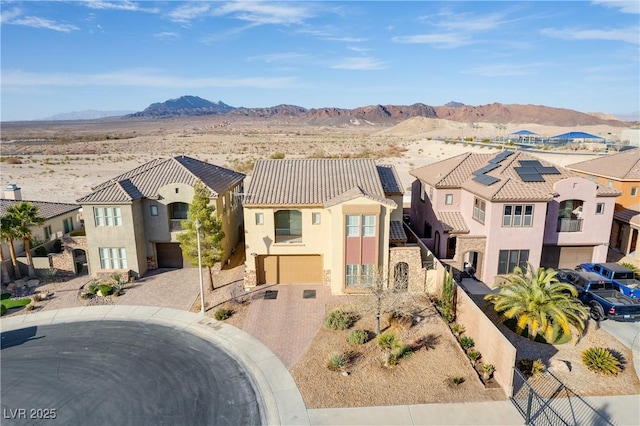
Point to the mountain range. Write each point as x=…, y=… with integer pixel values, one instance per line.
x=379, y=114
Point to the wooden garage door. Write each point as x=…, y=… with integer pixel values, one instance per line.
x=570, y=257
x=303, y=269
x=169, y=255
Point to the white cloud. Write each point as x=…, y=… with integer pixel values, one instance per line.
x=36, y=22
x=189, y=12
x=261, y=13
x=629, y=35
x=442, y=41
x=359, y=49
x=139, y=78
x=360, y=63
x=117, y=5
x=504, y=70
x=167, y=35
x=624, y=6
x=7, y=15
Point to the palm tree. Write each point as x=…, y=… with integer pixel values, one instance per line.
x=8, y=233
x=26, y=216
x=539, y=302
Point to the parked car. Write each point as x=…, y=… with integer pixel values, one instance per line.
x=623, y=277
x=601, y=296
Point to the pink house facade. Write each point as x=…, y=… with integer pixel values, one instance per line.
x=498, y=211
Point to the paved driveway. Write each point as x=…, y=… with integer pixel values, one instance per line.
x=168, y=288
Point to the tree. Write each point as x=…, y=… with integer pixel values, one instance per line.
x=25, y=216
x=8, y=234
x=539, y=302
x=211, y=234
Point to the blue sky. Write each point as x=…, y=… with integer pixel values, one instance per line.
x=61, y=56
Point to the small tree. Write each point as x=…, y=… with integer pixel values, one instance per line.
x=201, y=209
x=447, y=298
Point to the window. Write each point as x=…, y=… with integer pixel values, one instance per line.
x=352, y=275
x=610, y=183
x=360, y=275
x=367, y=275
x=47, y=232
x=154, y=210
x=113, y=258
x=259, y=218
x=427, y=230
x=107, y=216
x=600, y=208
x=68, y=225
x=179, y=211
x=224, y=203
x=448, y=199
x=315, y=218
x=288, y=225
x=570, y=216
x=368, y=226
x=509, y=259
x=634, y=191
x=353, y=226
x=517, y=215
x=422, y=191
x=479, y=207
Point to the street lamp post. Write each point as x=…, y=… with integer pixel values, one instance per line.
x=198, y=226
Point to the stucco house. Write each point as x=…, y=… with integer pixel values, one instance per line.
x=328, y=221
x=60, y=219
x=496, y=211
x=132, y=221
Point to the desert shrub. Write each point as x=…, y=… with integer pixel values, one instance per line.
x=400, y=320
x=338, y=320
x=466, y=342
x=30, y=307
x=337, y=361
x=3, y=310
x=104, y=289
x=357, y=337
x=457, y=329
x=457, y=380
x=277, y=156
x=92, y=288
x=11, y=160
x=222, y=314
x=447, y=302
x=531, y=367
x=36, y=297
x=474, y=355
x=601, y=360
x=404, y=351
x=488, y=369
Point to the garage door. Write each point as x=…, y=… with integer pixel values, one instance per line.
x=304, y=269
x=570, y=257
x=169, y=255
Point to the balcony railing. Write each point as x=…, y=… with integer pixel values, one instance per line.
x=284, y=235
x=569, y=225
x=175, y=225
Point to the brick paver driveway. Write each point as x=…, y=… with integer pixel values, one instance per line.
x=168, y=288
x=288, y=323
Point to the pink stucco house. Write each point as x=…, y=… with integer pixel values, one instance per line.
x=496, y=211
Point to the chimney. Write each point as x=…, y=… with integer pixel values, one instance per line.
x=12, y=192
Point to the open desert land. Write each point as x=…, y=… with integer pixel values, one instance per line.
x=61, y=161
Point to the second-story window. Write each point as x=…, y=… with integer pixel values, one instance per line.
x=479, y=207
x=259, y=218
x=288, y=226
x=600, y=208
x=570, y=216
x=107, y=216
x=353, y=226
x=517, y=215
x=179, y=211
x=315, y=218
x=368, y=226
x=448, y=199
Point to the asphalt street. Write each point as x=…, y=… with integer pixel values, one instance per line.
x=121, y=373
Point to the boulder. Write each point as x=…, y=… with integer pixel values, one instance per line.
x=33, y=283
x=560, y=365
x=12, y=287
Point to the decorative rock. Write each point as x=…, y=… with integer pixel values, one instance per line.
x=560, y=365
x=12, y=287
x=33, y=283
x=345, y=373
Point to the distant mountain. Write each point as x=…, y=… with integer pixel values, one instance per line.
x=184, y=105
x=89, y=114
x=380, y=114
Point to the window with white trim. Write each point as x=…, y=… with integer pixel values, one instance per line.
x=359, y=275
x=353, y=225
x=153, y=209
x=368, y=272
x=259, y=218
x=113, y=258
x=68, y=225
x=479, y=208
x=634, y=191
x=352, y=275
x=107, y=216
x=368, y=225
x=47, y=232
x=517, y=215
x=315, y=218
x=600, y=208
x=448, y=199
x=509, y=259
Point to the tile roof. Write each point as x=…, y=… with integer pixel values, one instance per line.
x=624, y=165
x=145, y=181
x=47, y=210
x=396, y=232
x=453, y=222
x=457, y=172
x=317, y=181
x=629, y=216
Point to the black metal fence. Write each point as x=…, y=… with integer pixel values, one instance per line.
x=545, y=400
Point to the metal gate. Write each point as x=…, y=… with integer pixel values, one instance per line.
x=545, y=400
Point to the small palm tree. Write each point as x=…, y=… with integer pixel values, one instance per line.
x=8, y=233
x=389, y=343
x=25, y=216
x=539, y=303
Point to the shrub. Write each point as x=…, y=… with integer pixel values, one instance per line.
x=3, y=310
x=400, y=320
x=104, y=289
x=457, y=329
x=466, y=342
x=41, y=251
x=488, y=369
x=12, y=160
x=36, y=297
x=457, y=380
x=474, y=355
x=531, y=367
x=277, y=156
x=30, y=307
x=223, y=314
x=337, y=361
x=447, y=302
x=338, y=320
x=357, y=337
x=403, y=351
x=601, y=360
x=57, y=246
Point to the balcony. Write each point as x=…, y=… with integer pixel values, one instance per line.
x=569, y=225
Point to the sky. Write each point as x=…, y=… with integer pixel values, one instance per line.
x=63, y=56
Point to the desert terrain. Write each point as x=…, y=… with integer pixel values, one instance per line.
x=62, y=161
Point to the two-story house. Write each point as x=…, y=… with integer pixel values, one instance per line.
x=620, y=171
x=325, y=221
x=132, y=221
x=498, y=211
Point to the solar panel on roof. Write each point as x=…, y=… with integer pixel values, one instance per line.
x=500, y=156
x=548, y=170
x=529, y=174
x=530, y=163
x=485, y=169
x=532, y=178
x=485, y=180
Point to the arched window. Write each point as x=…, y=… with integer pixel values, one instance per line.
x=288, y=226
x=179, y=210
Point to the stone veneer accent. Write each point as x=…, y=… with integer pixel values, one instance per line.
x=250, y=278
x=64, y=262
x=466, y=244
x=412, y=257
x=326, y=277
